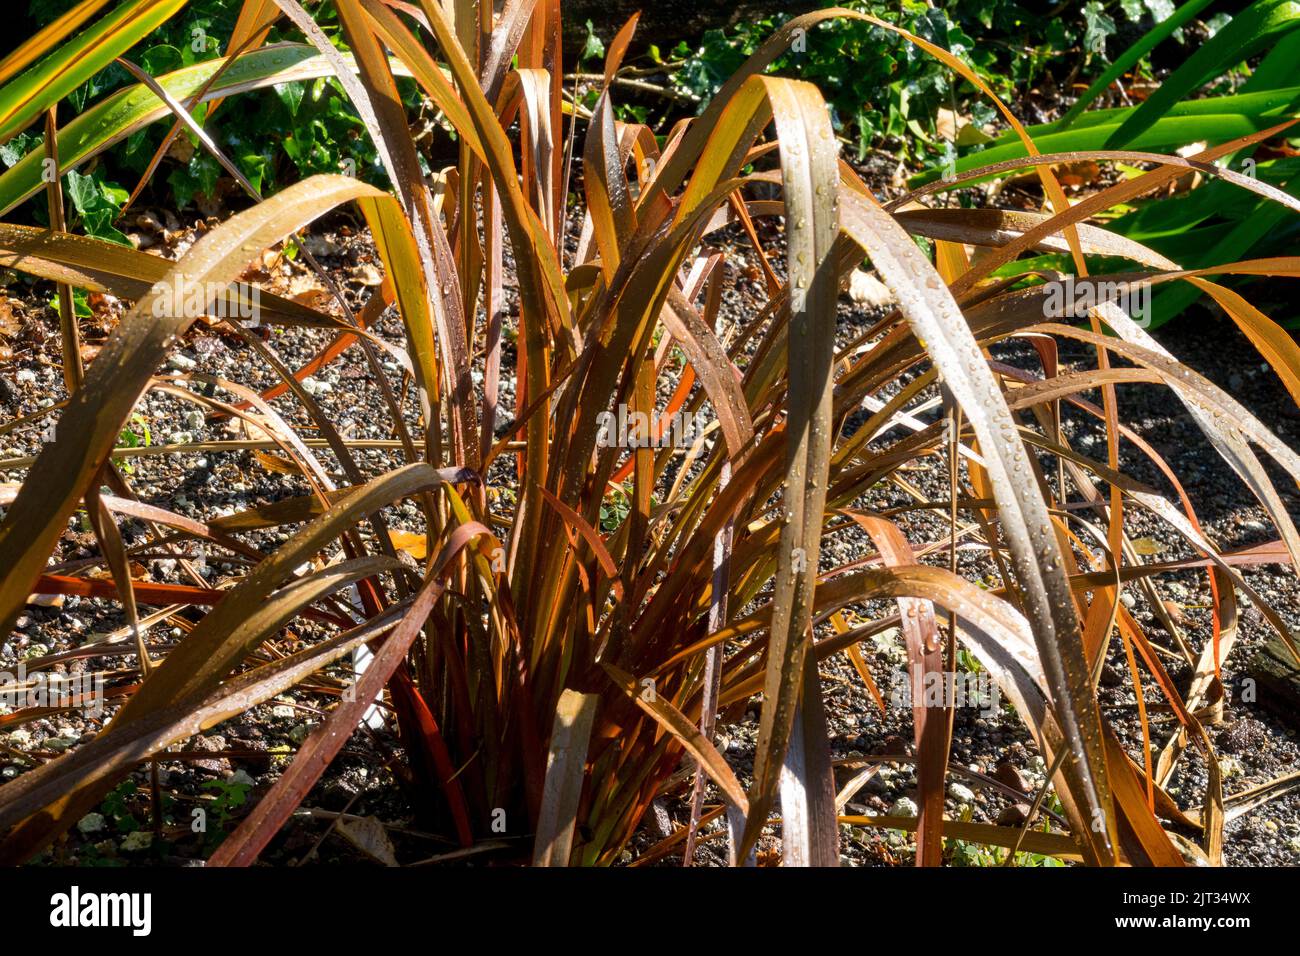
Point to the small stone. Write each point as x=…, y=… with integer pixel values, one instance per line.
x=59, y=744
x=866, y=289
x=91, y=823
x=26, y=376
x=879, y=781
x=961, y=793
x=661, y=822
x=182, y=362
x=240, y=778
x=1007, y=774
x=892, y=746
x=1175, y=612
x=321, y=246
x=1230, y=767
x=139, y=840
x=299, y=733
x=367, y=275
x=1128, y=600
x=890, y=644
x=1014, y=815
x=903, y=807
x=282, y=711
x=213, y=744
x=1110, y=676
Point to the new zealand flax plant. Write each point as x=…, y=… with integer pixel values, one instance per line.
x=547, y=666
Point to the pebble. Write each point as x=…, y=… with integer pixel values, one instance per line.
x=139, y=840
x=91, y=823
x=961, y=793
x=213, y=744
x=903, y=807
x=299, y=733
x=240, y=778
x=1013, y=815
x=1006, y=773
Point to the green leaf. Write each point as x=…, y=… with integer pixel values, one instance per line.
x=1258, y=28
x=593, y=48
x=98, y=206
x=197, y=178
x=1214, y=119
x=1165, y=25
x=128, y=110
x=18, y=147
x=1098, y=26
x=30, y=94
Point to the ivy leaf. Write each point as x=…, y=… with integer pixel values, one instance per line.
x=1160, y=9
x=196, y=178
x=161, y=59
x=97, y=204
x=1097, y=26
x=593, y=49
x=18, y=147
x=1133, y=9
x=290, y=95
